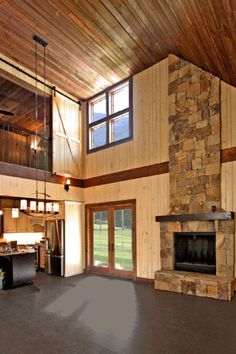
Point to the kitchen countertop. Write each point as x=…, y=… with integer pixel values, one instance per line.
x=15, y=253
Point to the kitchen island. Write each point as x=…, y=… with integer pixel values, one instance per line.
x=19, y=268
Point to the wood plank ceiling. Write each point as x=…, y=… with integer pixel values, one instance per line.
x=96, y=43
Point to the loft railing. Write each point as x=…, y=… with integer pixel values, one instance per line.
x=17, y=147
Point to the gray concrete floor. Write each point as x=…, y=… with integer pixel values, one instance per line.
x=89, y=314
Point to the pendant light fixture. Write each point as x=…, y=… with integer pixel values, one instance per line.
x=35, y=206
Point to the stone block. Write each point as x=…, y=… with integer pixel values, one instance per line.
x=182, y=162
x=188, y=287
x=194, y=90
x=184, y=70
x=172, y=98
x=196, y=164
x=166, y=252
x=175, y=285
x=215, y=125
x=207, y=226
x=226, y=271
x=188, y=144
x=195, y=117
x=227, y=226
x=222, y=241
x=230, y=255
x=195, y=77
x=204, y=95
x=163, y=227
x=174, y=226
x=183, y=87
x=191, y=174
x=213, y=139
x=190, y=102
x=213, y=99
x=215, y=87
x=213, y=168
x=173, y=87
x=201, y=289
x=161, y=285
x=224, y=291
x=167, y=263
x=172, y=109
x=173, y=75
x=203, y=132
x=202, y=124
x=173, y=59
x=185, y=199
x=166, y=243
x=213, y=193
x=212, y=291
x=201, y=197
x=221, y=256
x=191, y=226
x=214, y=109
x=205, y=84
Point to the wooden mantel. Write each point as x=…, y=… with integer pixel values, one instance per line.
x=218, y=215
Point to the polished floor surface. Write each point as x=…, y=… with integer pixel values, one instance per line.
x=90, y=314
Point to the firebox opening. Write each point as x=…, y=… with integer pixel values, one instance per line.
x=195, y=252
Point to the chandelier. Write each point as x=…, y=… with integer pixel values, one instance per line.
x=39, y=207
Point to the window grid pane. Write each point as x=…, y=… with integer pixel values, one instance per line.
x=119, y=99
x=98, y=109
x=98, y=136
x=120, y=128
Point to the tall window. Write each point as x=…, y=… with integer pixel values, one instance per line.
x=110, y=117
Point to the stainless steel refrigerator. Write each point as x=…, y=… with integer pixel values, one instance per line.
x=55, y=240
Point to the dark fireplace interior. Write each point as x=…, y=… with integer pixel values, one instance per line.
x=195, y=252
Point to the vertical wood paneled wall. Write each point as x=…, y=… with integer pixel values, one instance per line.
x=228, y=140
x=152, y=198
x=149, y=146
x=228, y=116
x=150, y=127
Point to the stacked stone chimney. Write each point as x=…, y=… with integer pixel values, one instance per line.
x=194, y=138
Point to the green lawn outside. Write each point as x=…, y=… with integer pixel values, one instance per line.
x=123, y=247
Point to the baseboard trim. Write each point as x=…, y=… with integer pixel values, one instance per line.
x=144, y=280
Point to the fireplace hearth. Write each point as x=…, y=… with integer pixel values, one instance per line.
x=195, y=252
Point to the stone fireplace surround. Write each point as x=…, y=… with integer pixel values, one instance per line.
x=195, y=181
x=219, y=286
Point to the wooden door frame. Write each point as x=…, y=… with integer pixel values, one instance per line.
x=131, y=203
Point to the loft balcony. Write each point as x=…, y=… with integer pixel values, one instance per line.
x=23, y=147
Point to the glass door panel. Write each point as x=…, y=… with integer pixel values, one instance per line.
x=123, y=255
x=100, y=239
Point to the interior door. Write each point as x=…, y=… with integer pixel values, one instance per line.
x=111, y=239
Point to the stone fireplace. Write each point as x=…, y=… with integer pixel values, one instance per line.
x=205, y=234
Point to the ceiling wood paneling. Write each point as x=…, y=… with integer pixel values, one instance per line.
x=96, y=43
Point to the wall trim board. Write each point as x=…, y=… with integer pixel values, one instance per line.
x=139, y=172
x=9, y=169
x=228, y=155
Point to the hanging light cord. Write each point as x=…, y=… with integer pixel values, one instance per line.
x=36, y=118
x=45, y=123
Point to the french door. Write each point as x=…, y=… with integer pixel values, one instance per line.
x=111, y=238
